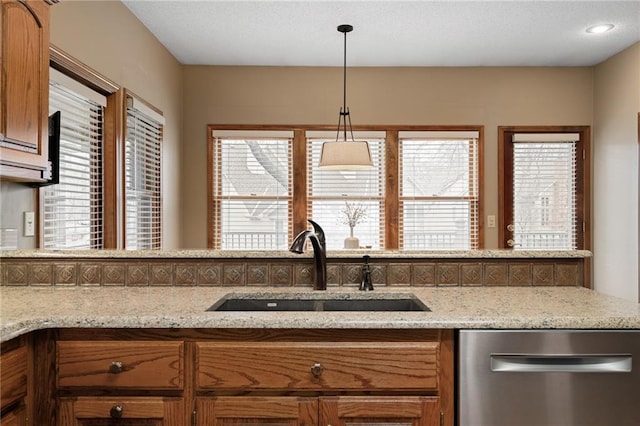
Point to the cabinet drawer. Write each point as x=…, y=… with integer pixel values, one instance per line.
x=124, y=365
x=141, y=411
x=317, y=365
x=13, y=379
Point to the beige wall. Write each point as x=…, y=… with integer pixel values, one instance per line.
x=106, y=36
x=273, y=95
x=616, y=174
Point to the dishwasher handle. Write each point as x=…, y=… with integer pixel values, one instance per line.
x=527, y=363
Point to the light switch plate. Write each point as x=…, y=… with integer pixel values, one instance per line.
x=491, y=221
x=29, y=224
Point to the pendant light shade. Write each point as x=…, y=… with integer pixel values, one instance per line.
x=351, y=155
x=345, y=155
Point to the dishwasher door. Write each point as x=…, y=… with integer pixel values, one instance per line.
x=548, y=378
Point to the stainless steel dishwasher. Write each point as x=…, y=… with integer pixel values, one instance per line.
x=548, y=378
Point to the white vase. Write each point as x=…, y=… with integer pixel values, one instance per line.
x=351, y=242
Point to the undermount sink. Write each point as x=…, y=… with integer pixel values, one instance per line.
x=247, y=303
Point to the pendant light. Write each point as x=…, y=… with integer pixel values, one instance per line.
x=345, y=155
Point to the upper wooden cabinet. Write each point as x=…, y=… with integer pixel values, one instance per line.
x=24, y=90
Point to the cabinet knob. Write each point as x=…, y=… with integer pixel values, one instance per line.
x=116, y=411
x=317, y=370
x=116, y=367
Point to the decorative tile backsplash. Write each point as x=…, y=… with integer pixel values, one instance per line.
x=446, y=272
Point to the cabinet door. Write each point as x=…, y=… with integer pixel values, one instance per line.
x=130, y=411
x=17, y=417
x=275, y=411
x=381, y=411
x=24, y=100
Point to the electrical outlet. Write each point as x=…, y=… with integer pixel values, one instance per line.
x=491, y=221
x=29, y=224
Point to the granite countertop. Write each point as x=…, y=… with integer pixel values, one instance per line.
x=25, y=309
x=334, y=254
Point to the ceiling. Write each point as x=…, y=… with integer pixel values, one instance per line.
x=390, y=33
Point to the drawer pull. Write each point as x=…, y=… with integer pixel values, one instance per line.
x=116, y=411
x=116, y=367
x=317, y=370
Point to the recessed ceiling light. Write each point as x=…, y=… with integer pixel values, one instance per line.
x=597, y=29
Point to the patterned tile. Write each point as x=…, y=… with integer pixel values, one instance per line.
x=90, y=274
x=161, y=274
x=378, y=275
x=258, y=274
x=209, y=274
x=16, y=274
x=113, y=274
x=233, y=274
x=186, y=274
x=281, y=275
x=543, y=274
x=303, y=275
x=448, y=274
x=424, y=274
x=567, y=274
x=65, y=274
x=351, y=274
x=137, y=274
x=399, y=274
x=519, y=274
x=496, y=274
x=334, y=274
x=471, y=274
x=41, y=274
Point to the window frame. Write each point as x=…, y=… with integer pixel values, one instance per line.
x=391, y=173
x=112, y=140
x=583, y=180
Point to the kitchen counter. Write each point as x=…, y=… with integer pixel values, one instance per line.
x=25, y=309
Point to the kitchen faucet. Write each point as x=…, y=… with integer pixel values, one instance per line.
x=319, y=245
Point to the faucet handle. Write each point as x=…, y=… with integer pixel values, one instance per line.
x=366, y=284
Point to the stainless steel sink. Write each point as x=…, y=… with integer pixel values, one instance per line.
x=402, y=303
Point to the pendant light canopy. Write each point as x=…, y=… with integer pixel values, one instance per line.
x=345, y=155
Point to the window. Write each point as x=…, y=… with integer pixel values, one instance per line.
x=545, y=187
x=423, y=192
x=142, y=177
x=331, y=193
x=72, y=210
x=252, y=194
x=438, y=190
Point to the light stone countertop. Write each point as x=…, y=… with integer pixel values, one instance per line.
x=331, y=254
x=25, y=309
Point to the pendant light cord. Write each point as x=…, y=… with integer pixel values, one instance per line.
x=344, y=111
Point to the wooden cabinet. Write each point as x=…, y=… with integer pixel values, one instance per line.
x=144, y=381
x=24, y=90
x=336, y=377
x=233, y=377
x=14, y=382
x=143, y=411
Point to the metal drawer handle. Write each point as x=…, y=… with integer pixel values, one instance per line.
x=116, y=367
x=116, y=411
x=317, y=370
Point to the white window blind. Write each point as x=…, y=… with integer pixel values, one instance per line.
x=142, y=180
x=329, y=191
x=72, y=210
x=438, y=190
x=252, y=190
x=544, y=191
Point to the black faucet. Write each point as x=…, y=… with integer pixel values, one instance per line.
x=319, y=245
x=366, y=284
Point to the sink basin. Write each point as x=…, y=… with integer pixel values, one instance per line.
x=404, y=303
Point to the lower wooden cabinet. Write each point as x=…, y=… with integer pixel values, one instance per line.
x=257, y=411
x=309, y=411
x=254, y=377
x=15, y=417
x=132, y=411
